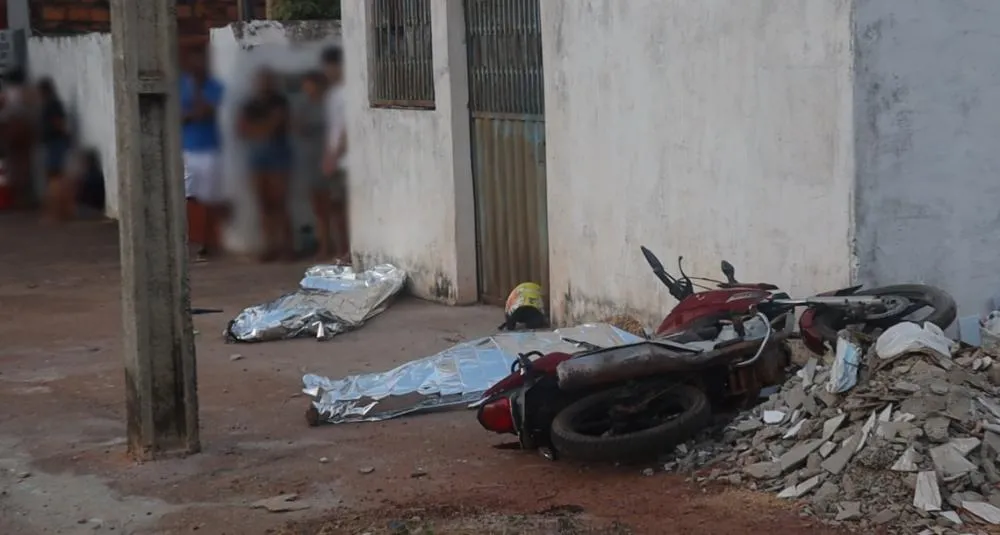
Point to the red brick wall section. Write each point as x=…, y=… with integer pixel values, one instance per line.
x=194, y=17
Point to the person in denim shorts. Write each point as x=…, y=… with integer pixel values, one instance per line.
x=264, y=124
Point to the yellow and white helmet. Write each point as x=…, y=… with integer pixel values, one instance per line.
x=525, y=306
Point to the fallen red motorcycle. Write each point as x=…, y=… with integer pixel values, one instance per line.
x=716, y=346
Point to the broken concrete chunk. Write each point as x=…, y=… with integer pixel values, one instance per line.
x=797, y=491
x=949, y=463
x=906, y=387
x=927, y=496
x=983, y=511
x=809, y=406
x=886, y=414
x=990, y=405
x=835, y=463
x=832, y=425
x=966, y=361
x=773, y=417
x=936, y=429
x=958, y=498
x=797, y=455
x=991, y=442
x=828, y=399
x=809, y=372
x=940, y=388
x=280, y=504
x=826, y=449
x=882, y=426
x=748, y=426
x=952, y=518
x=907, y=462
x=903, y=417
x=764, y=470
x=795, y=397
x=867, y=429
x=965, y=446
x=824, y=495
x=794, y=430
x=884, y=517
x=890, y=430
x=848, y=511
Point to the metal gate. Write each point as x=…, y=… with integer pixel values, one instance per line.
x=508, y=144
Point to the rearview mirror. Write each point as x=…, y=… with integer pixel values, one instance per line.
x=729, y=271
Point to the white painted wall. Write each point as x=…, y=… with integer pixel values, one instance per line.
x=411, y=197
x=713, y=130
x=80, y=66
x=237, y=52
x=928, y=146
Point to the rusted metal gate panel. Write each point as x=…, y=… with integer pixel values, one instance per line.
x=507, y=105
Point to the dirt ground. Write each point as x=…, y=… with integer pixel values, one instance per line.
x=63, y=467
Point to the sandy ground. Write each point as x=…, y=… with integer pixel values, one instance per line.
x=63, y=467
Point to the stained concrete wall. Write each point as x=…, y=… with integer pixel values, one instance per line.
x=713, y=130
x=410, y=175
x=928, y=145
x=80, y=67
x=237, y=52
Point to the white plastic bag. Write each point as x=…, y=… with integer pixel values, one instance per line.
x=908, y=337
x=989, y=334
x=844, y=373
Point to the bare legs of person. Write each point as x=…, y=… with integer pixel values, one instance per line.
x=322, y=211
x=340, y=231
x=208, y=228
x=54, y=206
x=272, y=195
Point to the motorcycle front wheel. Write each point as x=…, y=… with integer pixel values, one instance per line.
x=588, y=429
x=828, y=321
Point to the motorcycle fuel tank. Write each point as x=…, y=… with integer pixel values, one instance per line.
x=710, y=304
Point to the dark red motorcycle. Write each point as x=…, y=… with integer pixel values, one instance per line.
x=716, y=345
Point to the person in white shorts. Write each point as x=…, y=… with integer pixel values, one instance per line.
x=334, y=159
x=200, y=95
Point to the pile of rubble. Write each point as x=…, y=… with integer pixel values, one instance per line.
x=911, y=448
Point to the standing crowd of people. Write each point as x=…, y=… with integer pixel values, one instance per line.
x=282, y=135
x=32, y=116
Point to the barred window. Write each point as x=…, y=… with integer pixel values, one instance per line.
x=401, y=73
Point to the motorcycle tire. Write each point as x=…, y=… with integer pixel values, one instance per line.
x=640, y=445
x=829, y=321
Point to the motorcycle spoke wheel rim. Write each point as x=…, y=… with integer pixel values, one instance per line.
x=599, y=422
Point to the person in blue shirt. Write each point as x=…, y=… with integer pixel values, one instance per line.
x=200, y=96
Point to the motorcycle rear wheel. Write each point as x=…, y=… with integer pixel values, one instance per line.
x=829, y=320
x=569, y=440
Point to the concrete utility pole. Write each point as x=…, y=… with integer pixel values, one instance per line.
x=160, y=379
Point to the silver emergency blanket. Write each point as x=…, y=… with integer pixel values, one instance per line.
x=330, y=300
x=455, y=376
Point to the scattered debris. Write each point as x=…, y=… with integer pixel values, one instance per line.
x=366, y=469
x=235, y=356
x=284, y=503
x=911, y=446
